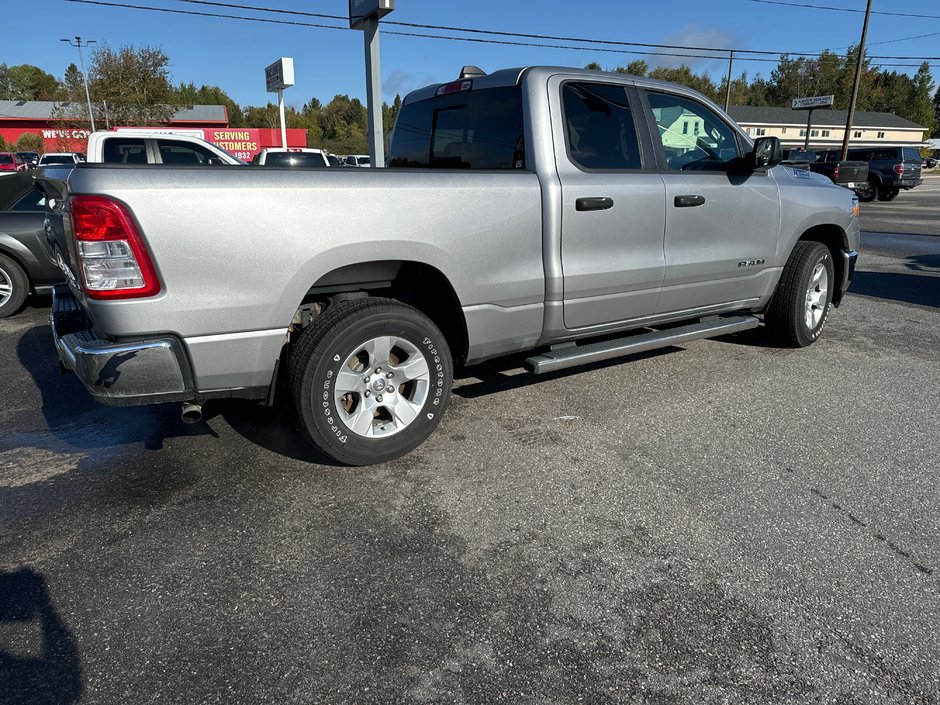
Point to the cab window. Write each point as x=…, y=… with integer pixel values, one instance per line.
x=710, y=145
x=599, y=127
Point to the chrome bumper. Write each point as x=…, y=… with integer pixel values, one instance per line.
x=118, y=373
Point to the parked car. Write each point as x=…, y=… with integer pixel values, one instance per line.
x=358, y=160
x=31, y=158
x=148, y=147
x=291, y=156
x=25, y=266
x=890, y=170
x=583, y=228
x=333, y=160
x=10, y=161
x=50, y=158
x=928, y=163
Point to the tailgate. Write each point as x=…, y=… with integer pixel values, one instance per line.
x=53, y=182
x=852, y=173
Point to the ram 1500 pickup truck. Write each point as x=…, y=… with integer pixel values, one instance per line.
x=576, y=215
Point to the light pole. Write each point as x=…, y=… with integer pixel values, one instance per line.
x=81, y=60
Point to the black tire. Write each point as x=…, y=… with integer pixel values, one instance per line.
x=786, y=317
x=871, y=193
x=888, y=195
x=14, y=286
x=322, y=353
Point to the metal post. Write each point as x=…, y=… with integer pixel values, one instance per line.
x=370, y=36
x=81, y=60
x=728, y=89
x=280, y=108
x=858, y=75
x=107, y=118
x=809, y=125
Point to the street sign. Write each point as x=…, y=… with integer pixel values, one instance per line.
x=362, y=10
x=820, y=101
x=279, y=75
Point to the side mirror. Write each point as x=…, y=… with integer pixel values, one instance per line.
x=767, y=153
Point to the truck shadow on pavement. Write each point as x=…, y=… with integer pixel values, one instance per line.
x=922, y=289
x=75, y=420
x=39, y=661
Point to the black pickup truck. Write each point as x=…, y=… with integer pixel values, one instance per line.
x=890, y=170
x=851, y=174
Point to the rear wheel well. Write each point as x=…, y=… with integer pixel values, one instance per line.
x=19, y=262
x=833, y=237
x=413, y=283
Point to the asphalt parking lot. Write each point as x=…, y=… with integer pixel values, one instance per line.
x=726, y=522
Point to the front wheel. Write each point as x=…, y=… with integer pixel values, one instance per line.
x=888, y=195
x=370, y=380
x=800, y=306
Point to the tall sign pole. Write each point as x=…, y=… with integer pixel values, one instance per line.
x=277, y=77
x=810, y=104
x=365, y=15
x=858, y=77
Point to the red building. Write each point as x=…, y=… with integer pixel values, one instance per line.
x=207, y=121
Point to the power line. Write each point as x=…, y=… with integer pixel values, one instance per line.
x=476, y=40
x=844, y=9
x=524, y=35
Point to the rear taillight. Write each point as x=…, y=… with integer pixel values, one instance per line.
x=835, y=173
x=899, y=168
x=113, y=261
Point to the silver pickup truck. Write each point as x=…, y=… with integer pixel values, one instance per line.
x=578, y=215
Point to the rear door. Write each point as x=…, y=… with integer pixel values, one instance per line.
x=722, y=224
x=612, y=209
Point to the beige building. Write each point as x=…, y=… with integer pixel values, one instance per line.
x=828, y=127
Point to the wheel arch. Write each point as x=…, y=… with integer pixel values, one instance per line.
x=21, y=257
x=411, y=282
x=836, y=240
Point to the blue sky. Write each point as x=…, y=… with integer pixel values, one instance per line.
x=232, y=54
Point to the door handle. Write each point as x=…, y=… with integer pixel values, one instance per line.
x=594, y=204
x=689, y=201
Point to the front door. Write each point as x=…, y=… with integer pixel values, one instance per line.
x=722, y=223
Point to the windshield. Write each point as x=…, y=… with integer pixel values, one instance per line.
x=58, y=159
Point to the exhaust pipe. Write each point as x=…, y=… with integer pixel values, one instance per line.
x=191, y=413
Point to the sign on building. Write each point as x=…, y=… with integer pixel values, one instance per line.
x=819, y=101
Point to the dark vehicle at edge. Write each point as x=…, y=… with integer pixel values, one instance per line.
x=850, y=174
x=890, y=170
x=25, y=265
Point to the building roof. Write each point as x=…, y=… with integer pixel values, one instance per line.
x=751, y=114
x=45, y=109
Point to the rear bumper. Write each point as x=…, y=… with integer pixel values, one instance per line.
x=909, y=183
x=118, y=373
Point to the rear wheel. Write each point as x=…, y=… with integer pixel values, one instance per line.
x=14, y=286
x=869, y=194
x=370, y=380
x=800, y=307
x=888, y=195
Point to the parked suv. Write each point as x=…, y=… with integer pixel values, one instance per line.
x=10, y=161
x=359, y=160
x=890, y=170
x=290, y=156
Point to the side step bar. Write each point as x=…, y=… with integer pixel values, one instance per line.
x=574, y=355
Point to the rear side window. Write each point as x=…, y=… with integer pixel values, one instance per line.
x=124, y=150
x=599, y=126
x=294, y=159
x=32, y=201
x=184, y=153
x=467, y=130
x=6, y=159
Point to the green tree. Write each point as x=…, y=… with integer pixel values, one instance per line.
x=634, y=68
x=594, y=66
x=920, y=107
x=684, y=75
x=936, y=113
x=188, y=94
x=135, y=82
x=29, y=142
x=390, y=113
x=27, y=82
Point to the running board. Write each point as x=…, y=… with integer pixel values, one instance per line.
x=574, y=355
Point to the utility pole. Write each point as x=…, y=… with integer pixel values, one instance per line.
x=728, y=88
x=81, y=60
x=858, y=77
